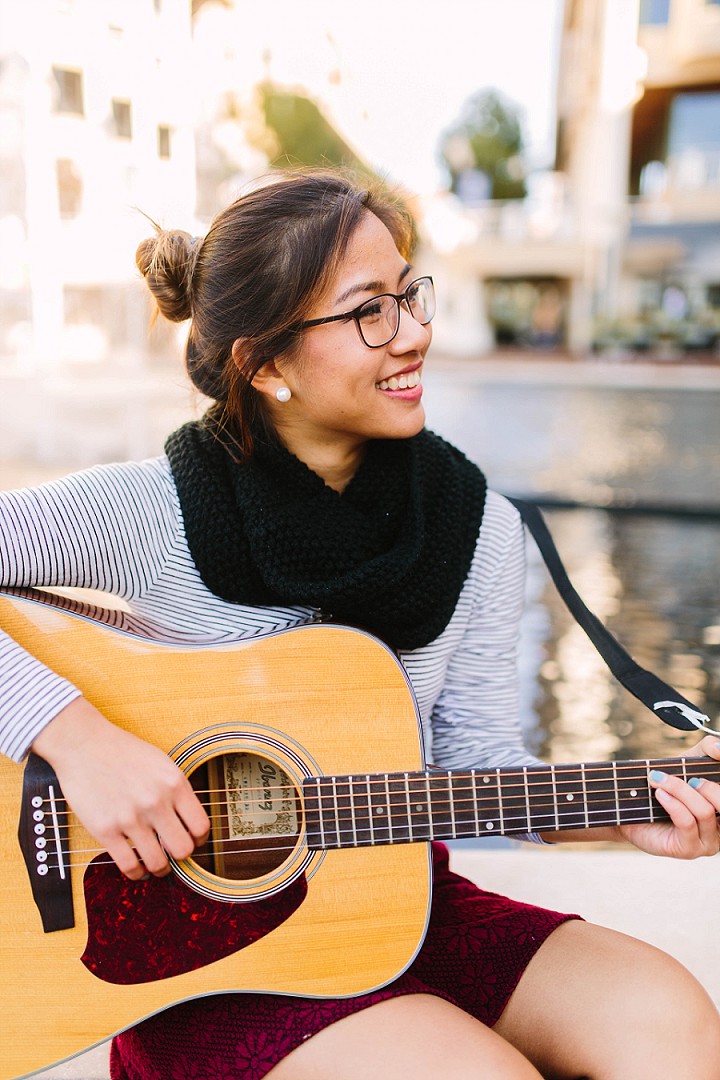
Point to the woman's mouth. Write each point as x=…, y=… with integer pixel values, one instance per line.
x=406, y=381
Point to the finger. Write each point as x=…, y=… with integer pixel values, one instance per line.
x=126, y=859
x=151, y=855
x=707, y=747
x=191, y=812
x=709, y=790
x=690, y=811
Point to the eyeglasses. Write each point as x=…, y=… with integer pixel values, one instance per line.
x=378, y=319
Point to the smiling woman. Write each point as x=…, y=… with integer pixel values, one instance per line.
x=312, y=492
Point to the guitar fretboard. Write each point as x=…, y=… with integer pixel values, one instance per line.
x=439, y=804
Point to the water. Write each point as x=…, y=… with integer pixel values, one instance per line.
x=653, y=578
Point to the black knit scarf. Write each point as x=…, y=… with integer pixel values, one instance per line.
x=390, y=554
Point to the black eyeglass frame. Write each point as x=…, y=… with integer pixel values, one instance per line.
x=355, y=313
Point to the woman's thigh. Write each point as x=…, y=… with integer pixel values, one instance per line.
x=415, y=1037
x=593, y=1002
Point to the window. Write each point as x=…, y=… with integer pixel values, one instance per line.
x=122, y=118
x=163, y=141
x=69, y=188
x=654, y=12
x=695, y=122
x=68, y=91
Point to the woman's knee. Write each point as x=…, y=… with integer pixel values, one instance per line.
x=597, y=1003
x=416, y=1037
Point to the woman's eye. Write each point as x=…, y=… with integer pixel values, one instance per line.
x=372, y=310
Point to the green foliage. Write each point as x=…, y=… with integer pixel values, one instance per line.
x=300, y=134
x=487, y=137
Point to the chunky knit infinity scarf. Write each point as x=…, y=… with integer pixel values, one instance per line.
x=390, y=554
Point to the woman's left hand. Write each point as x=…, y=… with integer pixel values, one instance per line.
x=694, y=828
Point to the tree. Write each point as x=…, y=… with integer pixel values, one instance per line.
x=486, y=138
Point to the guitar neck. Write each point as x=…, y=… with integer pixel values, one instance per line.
x=445, y=804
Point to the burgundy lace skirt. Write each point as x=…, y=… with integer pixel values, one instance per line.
x=476, y=948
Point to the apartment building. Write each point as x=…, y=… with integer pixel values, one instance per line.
x=96, y=128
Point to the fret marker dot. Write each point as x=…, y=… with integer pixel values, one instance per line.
x=569, y=798
x=633, y=792
x=379, y=810
x=489, y=825
x=419, y=808
x=486, y=779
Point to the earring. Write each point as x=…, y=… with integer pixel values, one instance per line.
x=284, y=393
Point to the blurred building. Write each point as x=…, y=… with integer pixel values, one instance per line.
x=618, y=247
x=95, y=128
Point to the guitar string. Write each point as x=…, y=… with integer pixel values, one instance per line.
x=477, y=778
x=344, y=837
x=456, y=785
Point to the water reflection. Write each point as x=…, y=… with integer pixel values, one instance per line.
x=653, y=579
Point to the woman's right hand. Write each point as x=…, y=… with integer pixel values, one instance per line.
x=130, y=795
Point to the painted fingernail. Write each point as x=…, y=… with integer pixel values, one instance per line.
x=657, y=777
x=696, y=782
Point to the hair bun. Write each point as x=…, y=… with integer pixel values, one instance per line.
x=167, y=261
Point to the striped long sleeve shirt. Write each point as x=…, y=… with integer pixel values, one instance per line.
x=119, y=528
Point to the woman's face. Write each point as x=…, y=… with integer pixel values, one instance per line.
x=341, y=392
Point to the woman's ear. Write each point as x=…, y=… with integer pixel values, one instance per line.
x=267, y=379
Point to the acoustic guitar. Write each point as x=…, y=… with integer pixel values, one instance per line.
x=305, y=748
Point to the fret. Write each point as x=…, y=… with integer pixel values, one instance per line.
x=527, y=798
x=555, y=796
x=501, y=808
x=451, y=804
x=379, y=811
x=431, y=820
x=602, y=806
x=347, y=826
x=331, y=818
x=542, y=799
x=419, y=807
x=584, y=792
x=634, y=795
x=652, y=804
x=617, y=793
x=411, y=835
x=440, y=807
x=311, y=809
x=463, y=792
x=513, y=801
x=358, y=789
x=398, y=808
x=570, y=797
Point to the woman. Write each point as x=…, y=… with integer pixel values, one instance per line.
x=312, y=488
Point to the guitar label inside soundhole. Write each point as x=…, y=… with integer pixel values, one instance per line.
x=255, y=813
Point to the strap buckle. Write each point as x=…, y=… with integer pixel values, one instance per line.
x=699, y=720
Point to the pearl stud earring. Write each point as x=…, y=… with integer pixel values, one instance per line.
x=283, y=394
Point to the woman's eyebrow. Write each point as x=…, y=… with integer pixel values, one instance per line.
x=370, y=286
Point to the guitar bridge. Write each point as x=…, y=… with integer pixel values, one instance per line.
x=43, y=836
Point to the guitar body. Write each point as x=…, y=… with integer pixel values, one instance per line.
x=313, y=701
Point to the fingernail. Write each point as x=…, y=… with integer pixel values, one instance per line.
x=657, y=777
x=696, y=782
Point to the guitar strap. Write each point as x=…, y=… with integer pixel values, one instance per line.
x=661, y=698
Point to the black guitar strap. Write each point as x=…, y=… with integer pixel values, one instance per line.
x=661, y=698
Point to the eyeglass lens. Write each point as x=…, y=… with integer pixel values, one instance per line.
x=379, y=318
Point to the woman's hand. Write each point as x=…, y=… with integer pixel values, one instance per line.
x=129, y=794
x=694, y=828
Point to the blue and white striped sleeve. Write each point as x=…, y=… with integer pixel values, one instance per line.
x=108, y=528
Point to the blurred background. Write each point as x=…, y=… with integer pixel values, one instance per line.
x=563, y=161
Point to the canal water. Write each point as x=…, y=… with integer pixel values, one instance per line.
x=632, y=476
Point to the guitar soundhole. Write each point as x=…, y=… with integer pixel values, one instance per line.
x=255, y=811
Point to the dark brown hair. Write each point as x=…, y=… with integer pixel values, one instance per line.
x=256, y=275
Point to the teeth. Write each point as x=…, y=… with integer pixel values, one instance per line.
x=400, y=382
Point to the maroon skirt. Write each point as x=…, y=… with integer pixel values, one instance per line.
x=476, y=948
